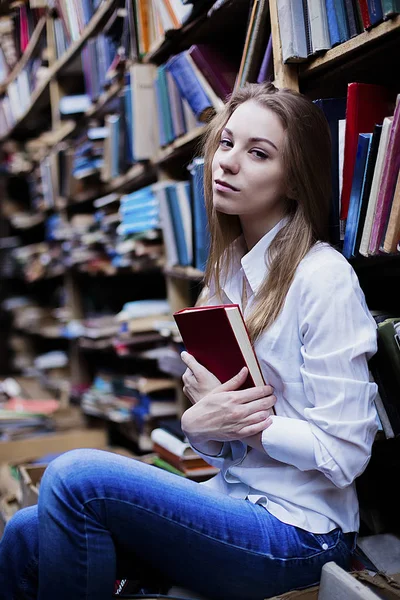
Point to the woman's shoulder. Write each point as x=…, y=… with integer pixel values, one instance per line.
x=323, y=260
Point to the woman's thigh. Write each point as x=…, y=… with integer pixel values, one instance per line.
x=202, y=539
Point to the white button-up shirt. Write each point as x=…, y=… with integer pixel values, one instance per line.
x=315, y=356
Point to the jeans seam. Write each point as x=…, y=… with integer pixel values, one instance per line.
x=223, y=542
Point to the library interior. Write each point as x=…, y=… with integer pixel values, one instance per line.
x=105, y=238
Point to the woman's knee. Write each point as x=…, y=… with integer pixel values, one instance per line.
x=23, y=526
x=70, y=472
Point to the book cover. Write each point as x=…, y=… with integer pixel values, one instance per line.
x=336, y=31
x=364, y=141
x=190, y=87
x=390, y=8
x=218, y=339
x=375, y=11
x=266, y=72
x=318, y=25
x=292, y=31
x=340, y=11
x=216, y=68
x=178, y=224
x=364, y=12
x=258, y=38
x=388, y=182
x=392, y=235
x=376, y=179
x=201, y=237
x=351, y=18
x=367, y=104
x=369, y=174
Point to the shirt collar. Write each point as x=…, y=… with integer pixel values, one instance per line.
x=254, y=263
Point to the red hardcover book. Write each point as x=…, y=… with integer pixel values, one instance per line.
x=365, y=16
x=217, y=69
x=387, y=185
x=218, y=339
x=367, y=105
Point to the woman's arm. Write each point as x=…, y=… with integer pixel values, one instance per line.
x=339, y=337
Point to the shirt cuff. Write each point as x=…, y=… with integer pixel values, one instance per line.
x=290, y=441
x=216, y=460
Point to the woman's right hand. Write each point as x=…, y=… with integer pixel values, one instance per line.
x=228, y=414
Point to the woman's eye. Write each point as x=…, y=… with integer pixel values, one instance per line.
x=259, y=154
x=225, y=142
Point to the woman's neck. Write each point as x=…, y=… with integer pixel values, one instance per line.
x=253, y=230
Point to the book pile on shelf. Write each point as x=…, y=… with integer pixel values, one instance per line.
x=16, y=29
x=40, y=261
x=309, y=28
x=173, y=452
x=366, y=145
x=136, y=401
x=113, y=240
x=183, y=218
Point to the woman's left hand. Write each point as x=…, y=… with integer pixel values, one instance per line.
x=197, y=380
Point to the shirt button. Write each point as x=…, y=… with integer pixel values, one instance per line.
x=325, y=546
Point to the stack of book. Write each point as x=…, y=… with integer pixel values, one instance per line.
x=365, y=157
x=174, y=453
x=308, y=28
x=183, y=218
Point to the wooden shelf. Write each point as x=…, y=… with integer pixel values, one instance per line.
x=179, y=272
x=135, y=177
x=355, y=46
x=29, y=51
x=179, y=145
x=96, y=21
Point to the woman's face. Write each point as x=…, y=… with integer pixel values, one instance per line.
x=247, y=169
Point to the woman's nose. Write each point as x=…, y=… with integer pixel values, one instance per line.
x=229, y=162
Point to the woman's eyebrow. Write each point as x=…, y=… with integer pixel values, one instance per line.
x=254, y=139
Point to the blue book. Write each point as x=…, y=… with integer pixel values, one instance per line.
x=129, y=123
x=201, y=236
x=166, y=105
x=190, y=87
x=161, y=127
x=178, y=225
x=335, y=32
x=340, y=11
x=375, y=11
x=363, y=147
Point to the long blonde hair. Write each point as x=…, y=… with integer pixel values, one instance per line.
x=307, y=162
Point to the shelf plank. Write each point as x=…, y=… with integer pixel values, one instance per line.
x=179, y=144
x=179, y=272
x=357, y=44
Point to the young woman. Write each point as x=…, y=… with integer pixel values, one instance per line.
x=284, y=501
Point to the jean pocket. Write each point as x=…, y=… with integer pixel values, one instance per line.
x=316, y=543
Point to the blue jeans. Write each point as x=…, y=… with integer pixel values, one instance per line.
x=95, y=507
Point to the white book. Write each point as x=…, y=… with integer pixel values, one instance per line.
x=375, y=185
x=183, y=193
x=170, y=442
x=292, y=31
x=338, y=584
x=144, y=119
x=318, y=21
x=341, y=142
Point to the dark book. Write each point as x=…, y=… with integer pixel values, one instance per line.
x=369, y=174
x=219, y=71
x=364, y=143
x=334, y=110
